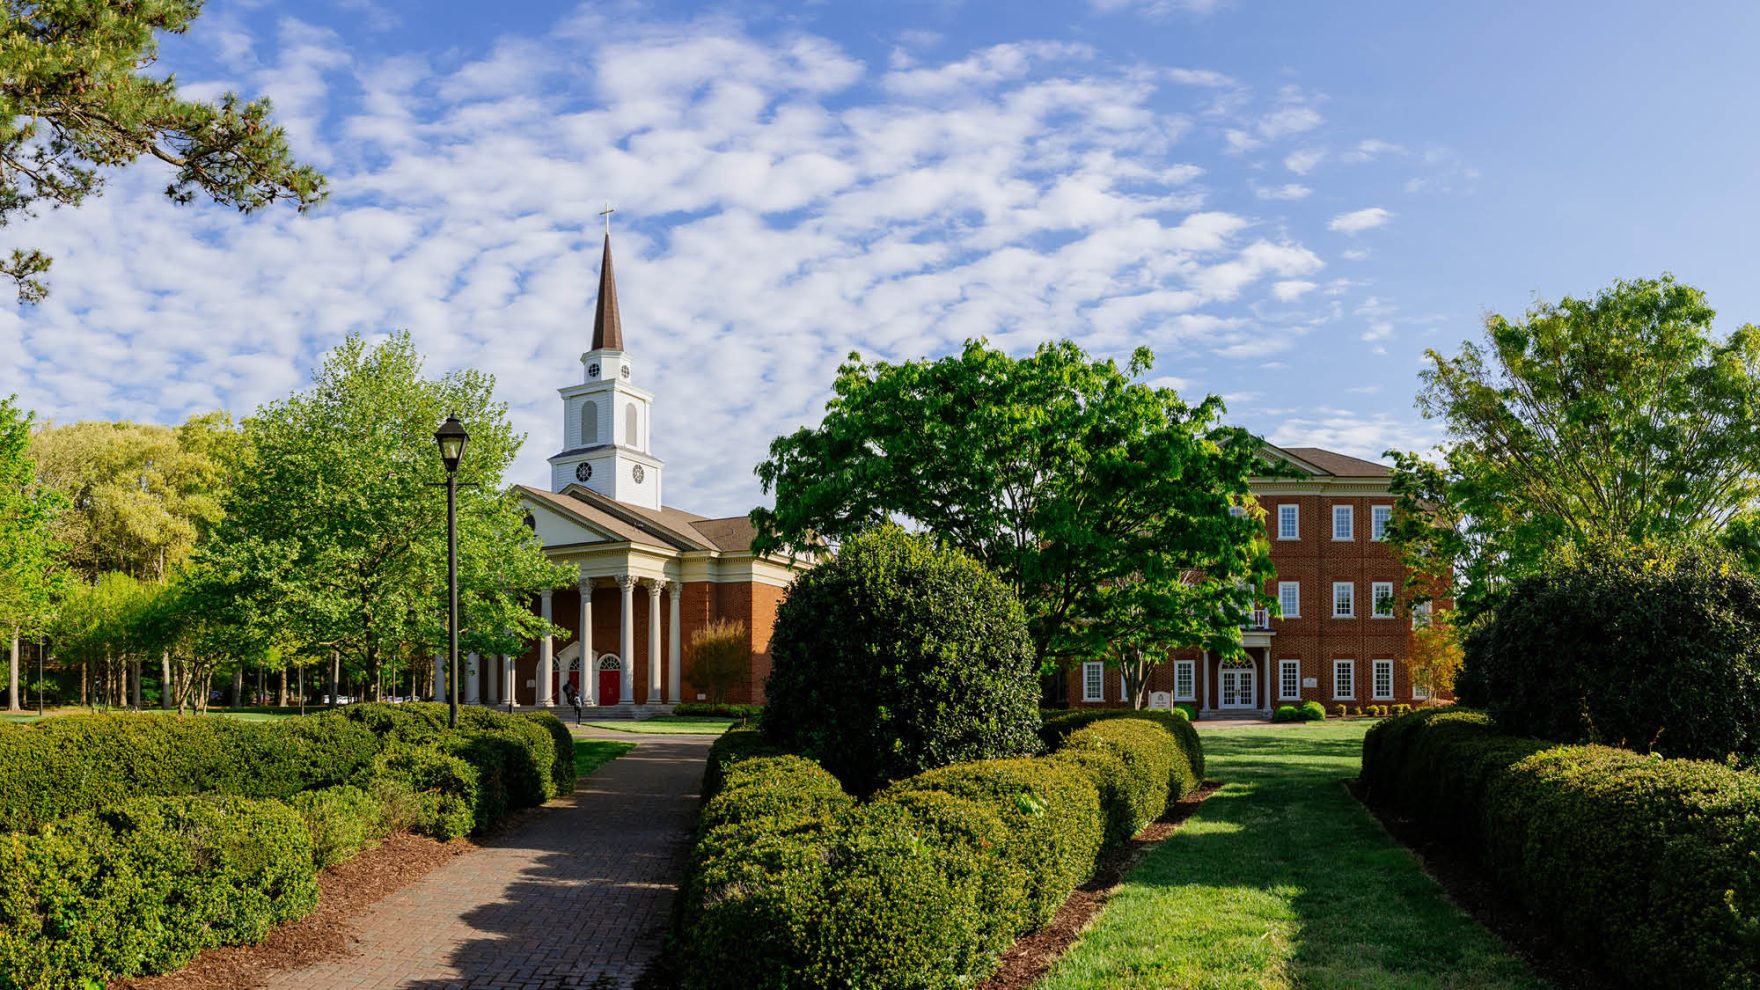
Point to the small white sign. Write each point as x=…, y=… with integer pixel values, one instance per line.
x=1161, y=700
x=1310, y=682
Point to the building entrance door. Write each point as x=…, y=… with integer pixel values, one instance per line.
x=610, y=680
x=1238, y=689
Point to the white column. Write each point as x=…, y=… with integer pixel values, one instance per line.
x=471, y=668
x=12, y=695
x=674, y=651
x=546, y=658
x=439, y=677
x=492, y=679
x=589, y=669
x=654, y=671
x=626, y=641
x=509, y=679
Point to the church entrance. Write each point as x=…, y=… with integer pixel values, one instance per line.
x=610, y=680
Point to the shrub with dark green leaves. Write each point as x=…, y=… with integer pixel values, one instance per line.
x=1188, y=773
x=1647, y=865
x=744, y=713
x=73, y=763
x=730, y=748
x=793, y=884
x=445, y=788
x=141, y=887
x=897, y=656
x=342, y=820
x=1643, y=648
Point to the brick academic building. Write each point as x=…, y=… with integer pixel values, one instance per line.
x=1339, y=640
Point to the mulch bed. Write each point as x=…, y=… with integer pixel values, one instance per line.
x=1470, y=888
x=346, y=890
x=1032, y=956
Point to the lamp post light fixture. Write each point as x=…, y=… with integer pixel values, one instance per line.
x=451, y=438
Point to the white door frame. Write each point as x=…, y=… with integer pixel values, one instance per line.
x=1246, y=686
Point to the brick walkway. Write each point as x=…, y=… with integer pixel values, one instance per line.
x=577, y=897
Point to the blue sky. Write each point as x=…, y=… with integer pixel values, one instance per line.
x=1288, y=202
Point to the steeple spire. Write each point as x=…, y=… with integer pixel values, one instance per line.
x=607, y=325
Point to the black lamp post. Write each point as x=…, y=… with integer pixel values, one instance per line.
x=451, y=437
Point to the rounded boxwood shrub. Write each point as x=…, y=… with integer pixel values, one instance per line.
x=444, y=789
x=1642, y=648
x=343, y=820
x=897, y=656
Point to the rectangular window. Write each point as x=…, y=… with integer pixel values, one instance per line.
x=1381, y=599
x=1344, y=600
x=1289, y=599
x=1289, y=522
x=1093, y=681
x=1289, y=680
x=1341, y=523
x=1383, y=685
x=1420, y=690
x=1344, y=679
x=1237, y=511
x=1379, y=517
x=1183, y=687
x=1421, y=615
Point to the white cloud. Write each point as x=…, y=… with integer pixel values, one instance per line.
x=1289, y=190
x=1157, y=8
x=779, y=203
x=1289, y=120
x=1369, y=150
x=1353, y=432
x=1358, y=221
x=1302, y=162
x=1290, y=290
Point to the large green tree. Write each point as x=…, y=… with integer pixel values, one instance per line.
x=76, y=99
x=28, y=549
x=1622, y=416
x=335, y=534
x=1074, y=480
x=141, y=495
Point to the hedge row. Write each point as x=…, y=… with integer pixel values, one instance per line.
x=794, y=883
x=142, y=886
x=1643, y=863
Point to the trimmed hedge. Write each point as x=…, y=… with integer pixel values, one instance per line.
x=143, y=886
x=1059, y=723
x=793, y=883
x=938, y=646
x=73, y=763
x=1307, y=711
x=1643, y=863
x=343, y=821
x=745, y=713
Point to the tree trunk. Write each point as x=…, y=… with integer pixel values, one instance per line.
x=165, y=686
x=281, y=693
x=335, y=676
x=85, y=672
x=12, y=693
x=238, y=688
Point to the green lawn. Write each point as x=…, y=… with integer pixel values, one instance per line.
x=670, y=725
x=1281, y=880
x=591, y=754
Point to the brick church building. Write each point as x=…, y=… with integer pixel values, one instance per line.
x=651, y=575
x=1338, y=641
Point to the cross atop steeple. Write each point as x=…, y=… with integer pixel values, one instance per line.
x=606, y=213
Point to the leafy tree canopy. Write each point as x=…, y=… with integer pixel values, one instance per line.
x=141, y=495
x=75, y=100
x=336, y=531
x=28, y=548
x=1619, y=416
x=1070, y=478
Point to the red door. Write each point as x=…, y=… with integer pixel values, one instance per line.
x=608, y=687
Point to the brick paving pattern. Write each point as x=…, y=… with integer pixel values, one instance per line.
x=577, y=898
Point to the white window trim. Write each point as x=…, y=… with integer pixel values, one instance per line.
x=1191, y=695
x=1335, y=612
x=1374, y=680
x=1421, y=615
x=1350, y=515
x=1375, y=600
x=1352, y=664
x=1281, y=665
x=1296, y=530
x=1102, y=668
x=1297, y=585
x=1419, y=691
x=1372, y=511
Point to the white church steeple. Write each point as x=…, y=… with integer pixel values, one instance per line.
x=605, y=418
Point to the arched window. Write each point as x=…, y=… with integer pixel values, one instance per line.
x=589, y=423
x=632, y=433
